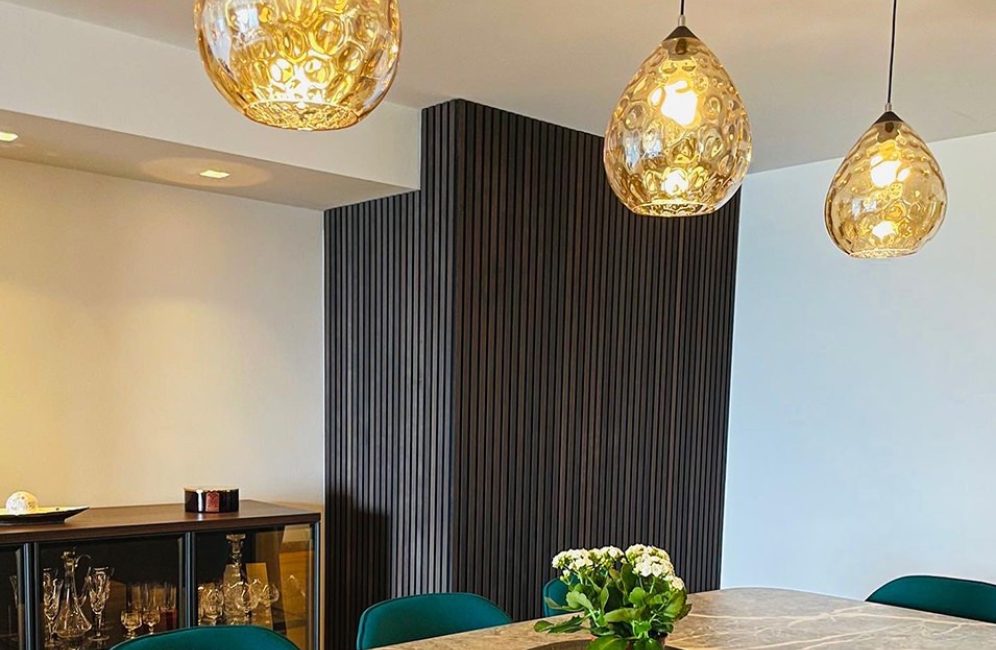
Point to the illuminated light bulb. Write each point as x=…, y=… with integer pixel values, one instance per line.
x=888, y=198
x=309, y=65
x=885, y=172
x=6, y=136
x=679, y=141
x=681, y=103
x=884, y=229
x=214, y=174
x=675, y=183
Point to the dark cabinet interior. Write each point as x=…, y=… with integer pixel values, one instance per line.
x=146, y=569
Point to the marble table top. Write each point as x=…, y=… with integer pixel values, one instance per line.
x=765, y=619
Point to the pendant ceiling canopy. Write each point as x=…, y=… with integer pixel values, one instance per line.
x=679, y=141
x=310, y=65
x=888, y=198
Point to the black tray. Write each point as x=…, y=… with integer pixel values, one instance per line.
x=41, y=516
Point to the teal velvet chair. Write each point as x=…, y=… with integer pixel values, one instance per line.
x=424, y=617
x=556, y=591
x=951, y=596
x=229, y=637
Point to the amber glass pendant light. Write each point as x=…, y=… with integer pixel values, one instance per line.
x=310, y=65
x=678, y=143
x=888, y=198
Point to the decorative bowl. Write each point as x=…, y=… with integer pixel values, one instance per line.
x=56, y=515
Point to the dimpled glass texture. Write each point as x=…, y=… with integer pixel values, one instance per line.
x=679, y=141
x=888, y=198
x=310, y=65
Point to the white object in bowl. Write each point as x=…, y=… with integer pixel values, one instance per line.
x=22, y=503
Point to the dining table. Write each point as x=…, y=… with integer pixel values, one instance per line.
x=762, y=619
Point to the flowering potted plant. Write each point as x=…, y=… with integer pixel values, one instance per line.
x=627, y=600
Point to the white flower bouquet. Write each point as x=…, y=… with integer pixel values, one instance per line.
x=627, y=600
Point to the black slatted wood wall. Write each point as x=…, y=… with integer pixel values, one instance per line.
x=518, y=365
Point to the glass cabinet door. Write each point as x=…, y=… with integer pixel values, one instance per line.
x=109, y=590
x=11, y=600
x=258, y=577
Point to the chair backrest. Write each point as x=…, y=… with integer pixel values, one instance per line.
x=229, y=637
x=424, y=617
x=951, y=596
x=556, y=591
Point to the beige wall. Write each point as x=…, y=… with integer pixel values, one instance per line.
x=153, y=337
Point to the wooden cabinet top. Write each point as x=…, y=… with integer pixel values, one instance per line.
x=142, y=521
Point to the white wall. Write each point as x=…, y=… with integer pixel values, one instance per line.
x=153, y=337
x=863, y=415
x=72, y=71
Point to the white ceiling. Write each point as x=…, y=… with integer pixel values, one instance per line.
x=812, y=72
x=65, y=144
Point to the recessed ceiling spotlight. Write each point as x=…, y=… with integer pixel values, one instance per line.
x=7, y=137
x=215, y=174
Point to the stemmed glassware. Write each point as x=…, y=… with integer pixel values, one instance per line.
x=151, y=619
x=99, y=589
x=152, y=601
x=51, y=587
x=131, y=619
x=168, y=607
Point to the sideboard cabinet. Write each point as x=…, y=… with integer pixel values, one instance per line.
x=166, y=566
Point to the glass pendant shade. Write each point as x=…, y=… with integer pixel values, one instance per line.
x=309, y=65
x=679, y=142
x=888, y=198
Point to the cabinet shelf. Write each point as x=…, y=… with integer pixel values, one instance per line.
x=164, y=545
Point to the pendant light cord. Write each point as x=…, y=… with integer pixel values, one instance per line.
x=892, y=53
x=681, y=14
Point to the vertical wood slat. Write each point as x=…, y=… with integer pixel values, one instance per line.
x=516, y=365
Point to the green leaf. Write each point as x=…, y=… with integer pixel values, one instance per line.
x=629, y=578
x=577, y=599
x=640, y=628
x=675, y=608
x=608, y=643
x=572, y=624
x=603, y=597
x=552, y=604
x=637, y=596
x=621, y=615
x=647, y=644
x=565, y=627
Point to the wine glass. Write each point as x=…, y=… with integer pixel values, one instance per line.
x=99, y=589
x=152, y=601
x=151, y=617
x=131, y=620
x=168, y=605
x=51, y=586
x=135, y=597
